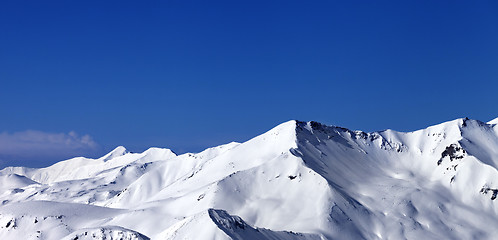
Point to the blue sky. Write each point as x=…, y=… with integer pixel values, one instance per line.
x=187, y=75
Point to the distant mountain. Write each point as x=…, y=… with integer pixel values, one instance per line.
x=300, y=180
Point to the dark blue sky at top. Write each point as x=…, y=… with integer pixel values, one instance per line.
x=189, y=75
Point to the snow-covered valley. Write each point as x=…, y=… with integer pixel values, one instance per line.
x=300, y=180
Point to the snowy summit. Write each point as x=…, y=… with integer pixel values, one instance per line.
x=300, y=180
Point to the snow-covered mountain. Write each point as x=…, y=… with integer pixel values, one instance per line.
x=300, y=180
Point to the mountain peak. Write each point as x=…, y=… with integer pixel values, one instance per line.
x=117, y=152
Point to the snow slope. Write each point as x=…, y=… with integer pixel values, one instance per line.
x=300, y=180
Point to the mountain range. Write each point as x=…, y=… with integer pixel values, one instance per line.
x=299, y=180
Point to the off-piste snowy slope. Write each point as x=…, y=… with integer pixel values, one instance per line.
x=300, y=180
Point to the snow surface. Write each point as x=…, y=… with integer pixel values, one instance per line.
x=300, y=180
x=494, y=121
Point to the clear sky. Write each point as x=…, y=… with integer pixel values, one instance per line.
x=82, y=77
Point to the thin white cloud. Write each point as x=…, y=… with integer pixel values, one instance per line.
x=34, y=148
